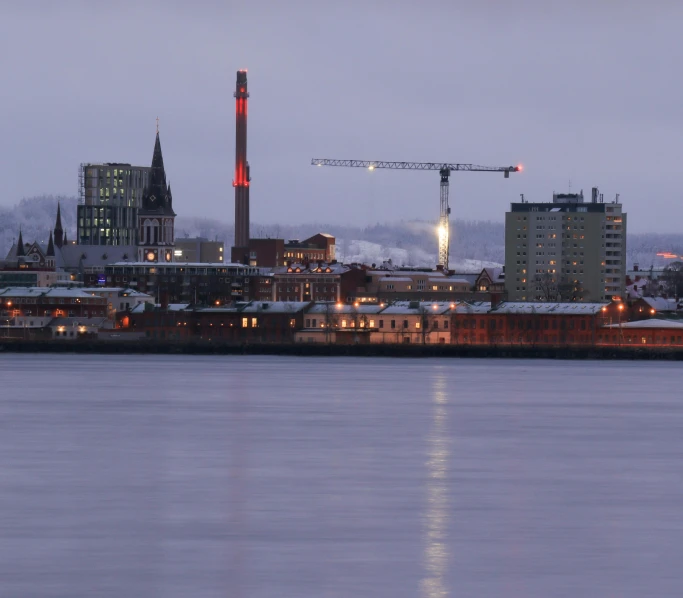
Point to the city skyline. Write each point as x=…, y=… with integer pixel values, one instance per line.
x=496, y=86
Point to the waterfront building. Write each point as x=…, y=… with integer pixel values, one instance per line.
x=252, y=322
x=567, y=250
x=50, y=302
x=318, y=282
x=531, y=324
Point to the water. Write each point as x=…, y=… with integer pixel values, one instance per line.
x=255, y=477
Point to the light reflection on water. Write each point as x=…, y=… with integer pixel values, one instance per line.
x=434, y=585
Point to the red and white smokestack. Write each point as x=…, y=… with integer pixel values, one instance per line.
x=242, y=178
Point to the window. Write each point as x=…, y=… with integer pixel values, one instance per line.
x=393, y=323
x=417, y=325
x=343, y=324
x=405, y=323
x=245, y=322
x=381, y=323
x=372, y=323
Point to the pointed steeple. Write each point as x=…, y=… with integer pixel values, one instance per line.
x=50, y=247
x=64, y=242
x=158, y=171
x=156, y=197
x=20, y=245
x=60, y=237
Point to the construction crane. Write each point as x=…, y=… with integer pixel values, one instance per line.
x=444, y=169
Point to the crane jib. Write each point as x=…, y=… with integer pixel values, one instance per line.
x=372, y=164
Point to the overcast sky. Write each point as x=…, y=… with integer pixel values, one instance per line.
x=582, y=93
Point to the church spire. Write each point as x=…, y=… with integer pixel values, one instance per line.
x=60, y=237
x=20, y=246
x=50, y=247
x=158, y=159
x=156, y=198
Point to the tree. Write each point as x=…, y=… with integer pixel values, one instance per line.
x=672, y=279
x=546, y=286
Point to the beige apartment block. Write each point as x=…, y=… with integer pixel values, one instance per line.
x=567, y=250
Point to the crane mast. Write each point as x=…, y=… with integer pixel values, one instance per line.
x=444, y=169
x=444, y=219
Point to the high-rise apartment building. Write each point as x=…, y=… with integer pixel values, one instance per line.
x=110, y=196
x=567, y=250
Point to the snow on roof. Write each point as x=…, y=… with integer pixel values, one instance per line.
x=182, y=264
x=50, y=292
x=77, y=322
x=141, y=307
x=343, y=308
x=395, y=279
x=274, y=306
x=459, y=281
x=549, y=308
x=465, y=308
x=418, y=307
x=123, y=291
x=313, y=268
x=661, y=304
x=653, y=323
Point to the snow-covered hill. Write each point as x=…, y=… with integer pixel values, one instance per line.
x=474, y=244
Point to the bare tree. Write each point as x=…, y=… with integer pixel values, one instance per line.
x=672, y=277
x=546, y=286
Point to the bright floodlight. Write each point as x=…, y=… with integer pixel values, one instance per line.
x=520, y=167
x=371, y=167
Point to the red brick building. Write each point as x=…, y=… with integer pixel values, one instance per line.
x=534, y=324
x=318, y=282
x=52, y=302
x=275, y=253
x=257, y=322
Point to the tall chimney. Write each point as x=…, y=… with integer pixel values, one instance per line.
x=242, y=178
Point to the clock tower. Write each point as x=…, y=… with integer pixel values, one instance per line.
x=156, y=218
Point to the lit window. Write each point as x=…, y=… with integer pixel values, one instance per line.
x=343, y=323
x=245, y=322
x=254, y=322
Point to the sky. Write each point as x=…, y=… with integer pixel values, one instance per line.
x=581, y=93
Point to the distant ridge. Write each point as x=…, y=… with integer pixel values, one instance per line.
x=475, y=244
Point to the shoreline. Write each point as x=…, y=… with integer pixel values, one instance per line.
x=359, y=350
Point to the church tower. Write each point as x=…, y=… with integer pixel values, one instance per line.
x=156, y=218
x=59, y=231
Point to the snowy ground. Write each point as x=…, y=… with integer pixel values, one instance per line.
x=367, y=252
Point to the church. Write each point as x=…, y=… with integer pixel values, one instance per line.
x=156, y=218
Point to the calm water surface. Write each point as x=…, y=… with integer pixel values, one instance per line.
x=255, y=477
